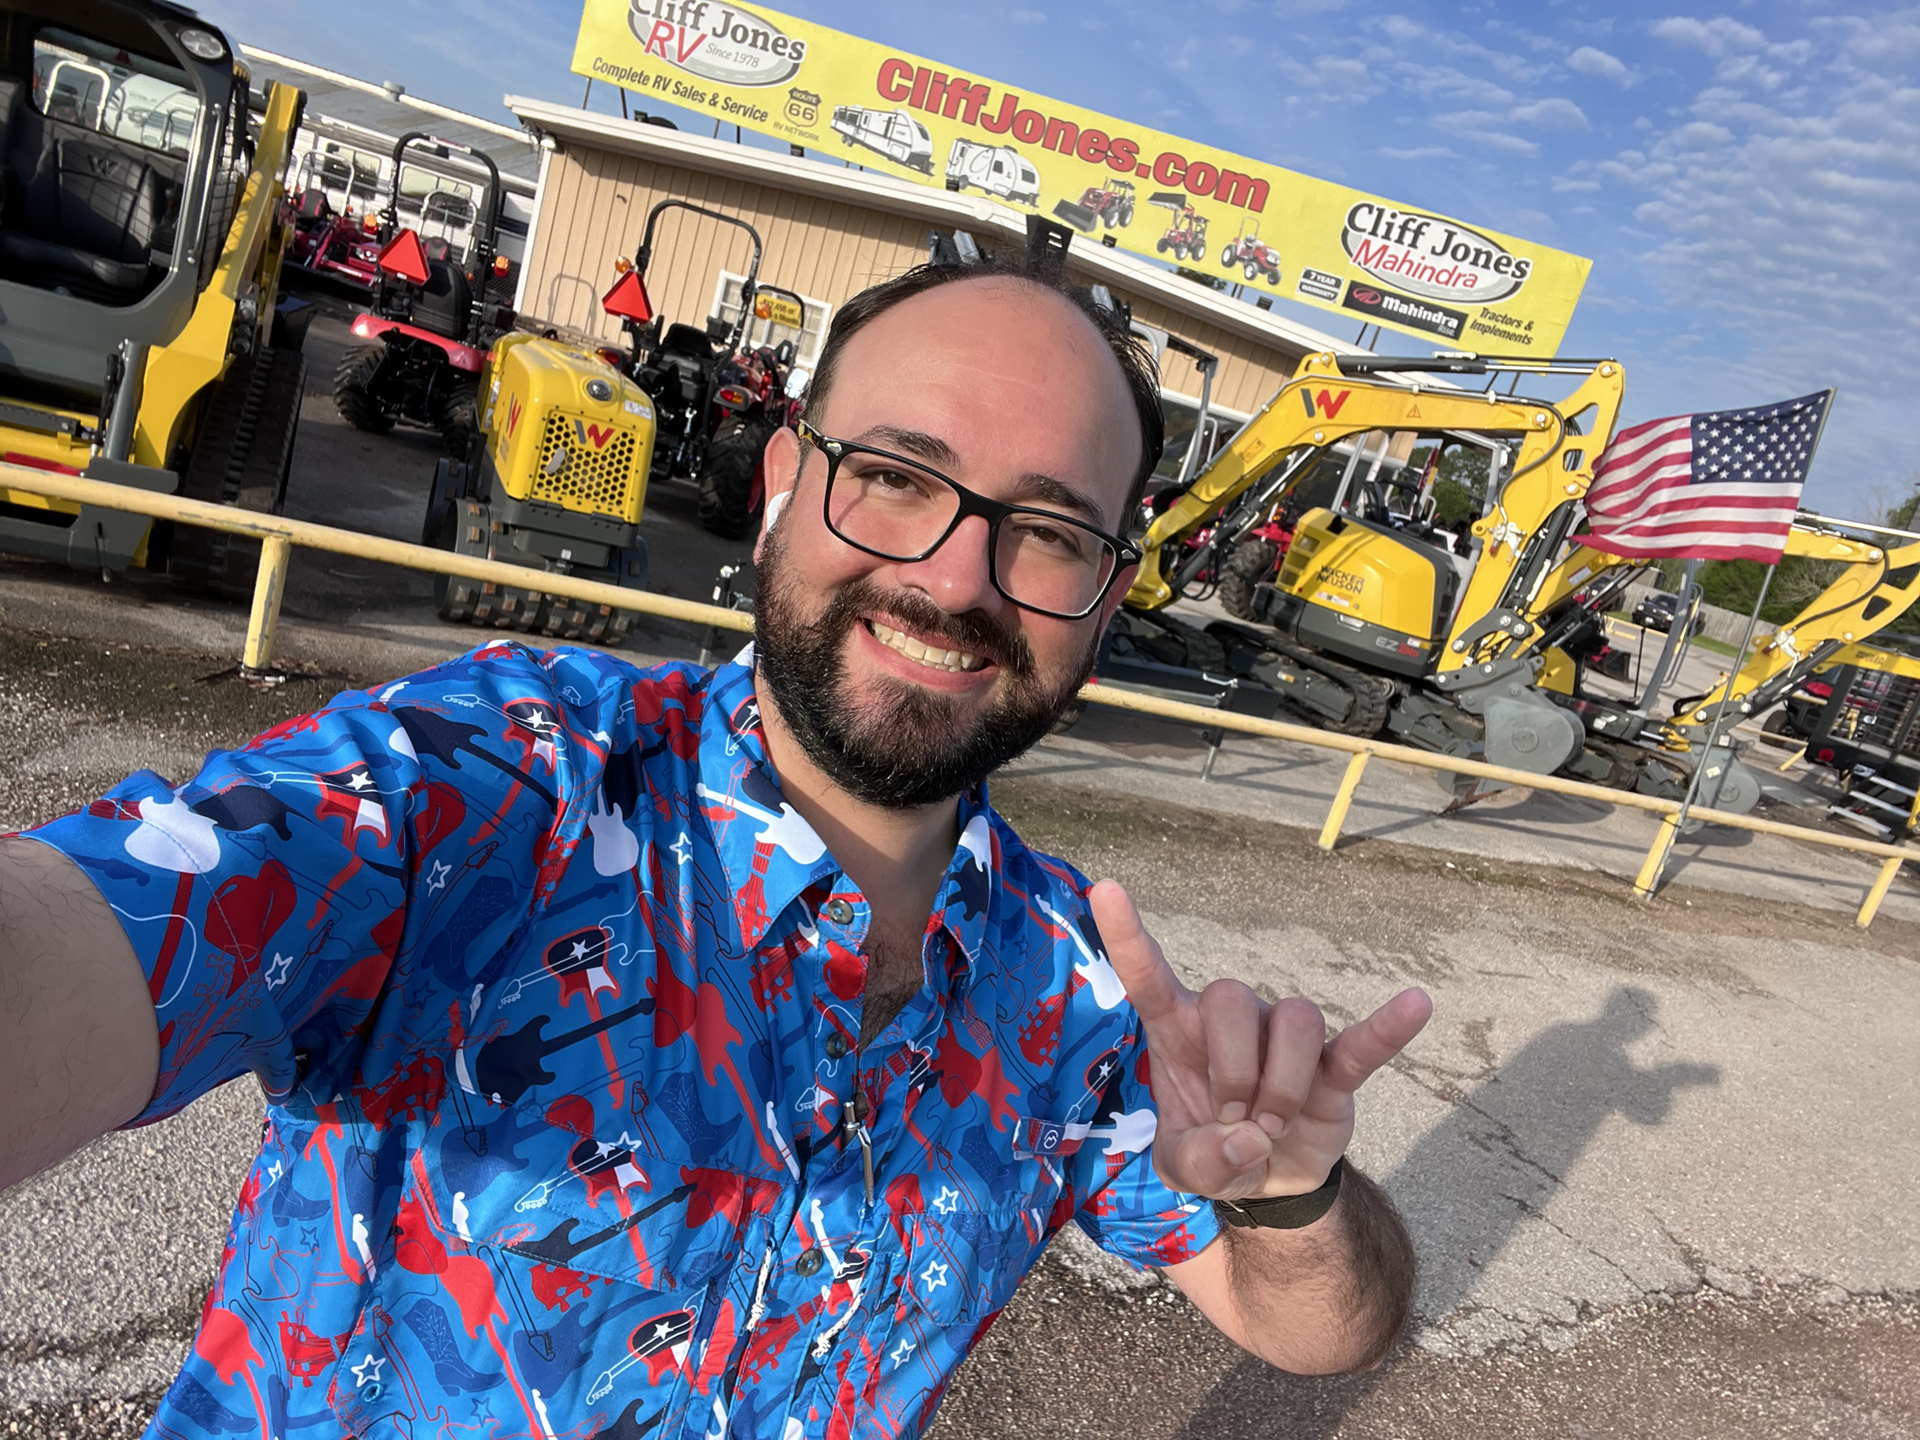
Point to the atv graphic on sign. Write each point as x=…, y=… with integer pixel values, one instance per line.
x=892, y=133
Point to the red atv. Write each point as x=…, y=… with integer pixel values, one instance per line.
x=717, y=401
x=1253, y=256
x=430, y=325
x=1186, y=233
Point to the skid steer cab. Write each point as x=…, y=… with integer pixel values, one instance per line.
x=142, y=338
x=557, y=481
x=718, y=400
x=424, y=342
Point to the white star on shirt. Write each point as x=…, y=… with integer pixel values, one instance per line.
x=361, y=780
x=901, y=1352
x=579, y=950
x=947, y=1201
x=934, y=1276
x=367, y=1369
x=437, y=877
x=277, y=970
x=682, y=848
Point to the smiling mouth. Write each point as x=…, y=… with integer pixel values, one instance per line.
x=931, y=656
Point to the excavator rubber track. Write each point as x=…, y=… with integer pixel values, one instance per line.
x=1372, y=695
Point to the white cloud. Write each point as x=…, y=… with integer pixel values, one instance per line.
x=1719, y=36
x=1590, y=61
x=1557, y=111
x=1419, y=152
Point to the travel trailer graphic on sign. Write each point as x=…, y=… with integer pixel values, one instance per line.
x=1271, y=230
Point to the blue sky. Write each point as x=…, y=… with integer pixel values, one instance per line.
x=1745, y=177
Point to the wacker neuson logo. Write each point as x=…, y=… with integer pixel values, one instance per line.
x=727, y=43
x=1435, y=258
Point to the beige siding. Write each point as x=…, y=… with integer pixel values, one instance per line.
x=595, y=204
x=595, y=208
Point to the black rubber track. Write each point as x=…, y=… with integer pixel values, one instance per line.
x=242, y=457
x=1372, y=694
x=460, y=420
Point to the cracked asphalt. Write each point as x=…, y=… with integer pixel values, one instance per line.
x=1659, y=1160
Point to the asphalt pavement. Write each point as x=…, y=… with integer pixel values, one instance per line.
x=1658, y=1159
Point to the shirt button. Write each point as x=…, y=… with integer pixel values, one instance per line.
x=836, y=1045
x=838, y=911
x=808, y=1263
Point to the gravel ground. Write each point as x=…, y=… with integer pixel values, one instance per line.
x=1702, y=1336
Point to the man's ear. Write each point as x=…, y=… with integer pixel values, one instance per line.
x=780, y=464
x=1118, y=594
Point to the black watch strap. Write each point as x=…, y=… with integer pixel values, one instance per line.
x=1283, y=1212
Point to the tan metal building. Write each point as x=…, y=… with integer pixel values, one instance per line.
x=829, y=232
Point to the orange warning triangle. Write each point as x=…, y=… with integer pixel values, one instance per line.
x=627, y=300
x=1413, y=412
x=405, y=257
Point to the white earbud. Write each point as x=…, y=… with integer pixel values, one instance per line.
x=776, y=505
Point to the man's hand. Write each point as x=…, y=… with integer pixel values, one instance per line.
x=1253, y=1098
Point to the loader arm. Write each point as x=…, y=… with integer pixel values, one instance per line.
x=1321, y=406
x=1877, y=588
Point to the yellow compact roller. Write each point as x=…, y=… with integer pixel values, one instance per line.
x=558, y=481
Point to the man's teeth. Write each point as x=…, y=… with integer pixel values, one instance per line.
x=927, y=655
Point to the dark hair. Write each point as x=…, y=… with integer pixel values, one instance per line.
x=1129, y=352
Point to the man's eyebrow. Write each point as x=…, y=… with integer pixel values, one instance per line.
x=1029, y=489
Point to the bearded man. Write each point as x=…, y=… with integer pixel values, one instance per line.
x=671, y=1053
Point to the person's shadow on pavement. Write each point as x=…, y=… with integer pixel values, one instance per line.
x=1465, y=1188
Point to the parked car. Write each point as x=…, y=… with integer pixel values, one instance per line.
x=1656, y=612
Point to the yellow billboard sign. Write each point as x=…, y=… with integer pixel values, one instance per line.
x=779, y=309
x=1270, y=230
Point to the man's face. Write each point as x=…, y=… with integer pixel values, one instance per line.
x=1007, y=389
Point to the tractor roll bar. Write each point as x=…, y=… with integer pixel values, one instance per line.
x=440, y=149
x=748, y=288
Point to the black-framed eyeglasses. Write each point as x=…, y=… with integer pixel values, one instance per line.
x=898, y=509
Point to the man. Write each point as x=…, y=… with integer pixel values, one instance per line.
x=650, y=1052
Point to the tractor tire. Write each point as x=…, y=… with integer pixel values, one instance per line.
x=1226, y=256
x=459, y=420
x=242, y=457
x=727, y=502
x=1247, y=565
x=1273, y=277
x=353, y=395
x=1160, y=245
x=1251, y=269
x=1126, y=216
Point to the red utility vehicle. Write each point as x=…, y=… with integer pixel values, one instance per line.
x=1186, y=233
x=1253, y=256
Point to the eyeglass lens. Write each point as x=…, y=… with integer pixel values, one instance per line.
x=1042, y=560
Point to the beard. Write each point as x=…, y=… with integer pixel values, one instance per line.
x=902, y=746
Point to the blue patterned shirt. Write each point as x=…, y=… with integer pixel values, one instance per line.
x=556, y=1003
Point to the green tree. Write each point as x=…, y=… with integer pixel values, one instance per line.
x=1460, y=484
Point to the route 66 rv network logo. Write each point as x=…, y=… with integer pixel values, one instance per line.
x=726, y=43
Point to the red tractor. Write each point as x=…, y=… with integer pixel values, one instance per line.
x=431, y=322
x=340, y=247
x=1186, y=233
x=1253, y=256
x=1110, y=204
x=717, y=401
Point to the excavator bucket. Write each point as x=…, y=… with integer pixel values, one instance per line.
x=1171, y=199
x=1078, y=216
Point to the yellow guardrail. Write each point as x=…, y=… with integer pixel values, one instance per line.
x=279, y=535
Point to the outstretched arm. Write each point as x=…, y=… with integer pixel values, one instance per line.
x=79, y=1048
x=1254, y=1102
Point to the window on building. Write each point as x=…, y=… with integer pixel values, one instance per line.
x=806, y=341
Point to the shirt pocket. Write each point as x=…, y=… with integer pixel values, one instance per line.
x=560, y=1308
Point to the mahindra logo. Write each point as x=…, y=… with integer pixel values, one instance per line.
x=1367, y=297
x=1431, y=257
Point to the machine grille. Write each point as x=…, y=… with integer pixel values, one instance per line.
x=1880, y=708
x=586, y=476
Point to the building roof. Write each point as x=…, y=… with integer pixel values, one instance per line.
x=978, y=216
x=388, y=110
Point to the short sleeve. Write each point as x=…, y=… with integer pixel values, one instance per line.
x=278, y=899
x=1134, y=1215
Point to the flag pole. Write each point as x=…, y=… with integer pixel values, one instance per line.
x=1649, y=883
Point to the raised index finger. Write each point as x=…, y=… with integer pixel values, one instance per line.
x=1134, y=954
x=1360, y=1049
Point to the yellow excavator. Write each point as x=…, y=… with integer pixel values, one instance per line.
x=1460, y=643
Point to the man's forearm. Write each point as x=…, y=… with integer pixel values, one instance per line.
x=78, y=1045
x=1331, y=1296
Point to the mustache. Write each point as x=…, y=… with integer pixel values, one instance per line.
x=973, y=631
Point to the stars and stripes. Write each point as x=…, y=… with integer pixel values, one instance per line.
x=1723, y=485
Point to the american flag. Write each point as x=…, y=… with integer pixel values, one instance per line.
x=1718, y=486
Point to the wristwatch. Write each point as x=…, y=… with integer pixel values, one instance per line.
x=1283, y=1212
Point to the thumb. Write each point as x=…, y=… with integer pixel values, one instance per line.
x=1134, y=954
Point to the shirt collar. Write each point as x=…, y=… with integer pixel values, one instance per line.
x=771, y=854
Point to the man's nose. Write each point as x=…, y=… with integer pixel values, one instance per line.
x=957, y=577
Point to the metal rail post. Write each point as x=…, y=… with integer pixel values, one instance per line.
x=269, y=588
x=1881, y=883
x=1343, y=798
